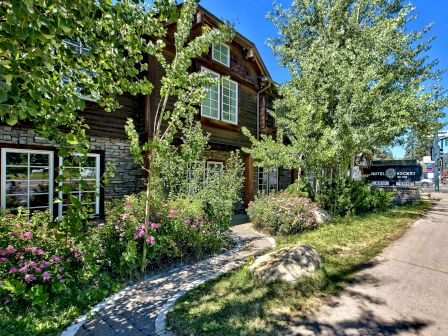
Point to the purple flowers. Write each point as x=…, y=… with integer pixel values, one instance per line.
x=46, y=276
x=12, y=270
x=29, y=278
x=3, y=259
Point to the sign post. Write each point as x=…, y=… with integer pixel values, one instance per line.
x=436, y=151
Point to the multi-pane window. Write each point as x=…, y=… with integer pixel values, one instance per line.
x=267, y=180
x=221, y=54
x=221, y=102
x=79, y=48
x=210, y=106
x=27, y=179
x=82, y=180
x=214, y=168
x=229, y=100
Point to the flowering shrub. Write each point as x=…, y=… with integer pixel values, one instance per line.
x=282, y=213
x=176, y=230
x=36, y=261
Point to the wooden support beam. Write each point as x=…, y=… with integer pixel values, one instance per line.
x=249, y=182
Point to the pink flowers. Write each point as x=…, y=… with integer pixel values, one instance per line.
x=3, y=259
x=37, y=270
x=27, y=235
x=151, y=240
x=124, y=217
x=155, y=226
x=12, y=270
x=29, y=278
x=46, y=276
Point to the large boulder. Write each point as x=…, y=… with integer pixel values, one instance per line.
x=288, y=264
x=322, y=216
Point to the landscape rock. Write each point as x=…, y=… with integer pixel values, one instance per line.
x=322, y=216
x=288, y=264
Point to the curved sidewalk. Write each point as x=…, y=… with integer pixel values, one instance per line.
x=140, y=310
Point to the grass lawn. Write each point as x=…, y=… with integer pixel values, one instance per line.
x=237, y=304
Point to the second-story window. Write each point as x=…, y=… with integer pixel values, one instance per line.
x=221, y=102
x=221, y=54
x=78, y=48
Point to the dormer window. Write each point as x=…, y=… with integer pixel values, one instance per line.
x=221, y=54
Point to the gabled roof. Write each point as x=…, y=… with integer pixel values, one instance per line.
x=251, y=48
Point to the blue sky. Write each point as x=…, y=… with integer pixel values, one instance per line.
x=249, y=17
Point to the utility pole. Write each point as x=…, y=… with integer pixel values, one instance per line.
x=436, y=151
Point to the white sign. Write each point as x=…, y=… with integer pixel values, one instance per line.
x=405, y=184
x=380, y=183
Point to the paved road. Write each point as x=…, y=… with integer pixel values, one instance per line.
x=135, y=311
x=403, y=292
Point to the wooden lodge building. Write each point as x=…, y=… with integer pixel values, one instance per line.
x=29, y=163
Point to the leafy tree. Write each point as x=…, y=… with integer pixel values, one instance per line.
x=53, y=53
x=358, y=81
x=159, y=155
x=417, y=146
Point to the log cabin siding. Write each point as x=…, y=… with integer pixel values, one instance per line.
x=111, y=124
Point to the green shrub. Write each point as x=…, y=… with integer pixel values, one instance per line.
x=282, y=213
x=346, y=196
x=302, y=188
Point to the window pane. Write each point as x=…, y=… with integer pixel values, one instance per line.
x=88, y=197
x=39, y=173
x=39, y=160
x=16, y=187
x=89, y=162
x=17, y=159
x=39, y=187
x=71, y=173
x=16, y=201
x=88, y=173
x=16, y=173
x=39, y=200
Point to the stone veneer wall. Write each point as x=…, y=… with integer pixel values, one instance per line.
x=128, y=179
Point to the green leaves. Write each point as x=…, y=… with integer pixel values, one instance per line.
x=359, y=80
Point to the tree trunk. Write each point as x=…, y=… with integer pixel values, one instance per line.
x=147, y=213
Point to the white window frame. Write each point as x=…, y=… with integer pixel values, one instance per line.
x=220, y=98
x=227, y=64
x=97, y=180
x=260, y=185
x=218, y=76
x=236, y=101
x=50, y=154
x=215, y=163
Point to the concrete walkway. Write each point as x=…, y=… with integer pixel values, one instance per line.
x=404, y=291
x=140, y=310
